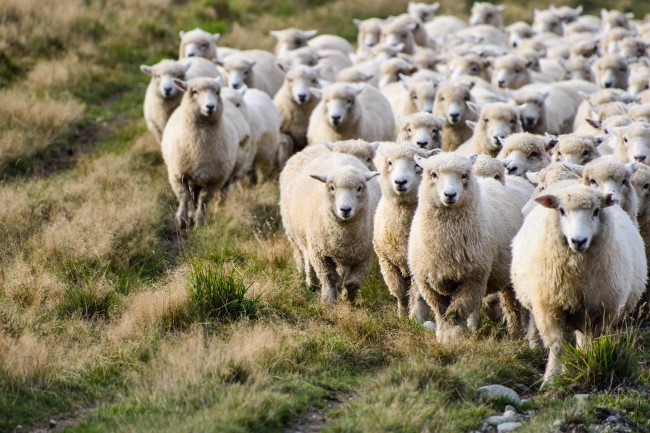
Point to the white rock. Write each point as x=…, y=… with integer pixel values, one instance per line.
x=499, y=391
x=429, y=325
x=498, y=419
x=508, y=426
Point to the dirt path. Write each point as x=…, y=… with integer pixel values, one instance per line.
x=314, y=419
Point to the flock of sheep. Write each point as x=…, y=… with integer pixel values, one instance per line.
x=481, y=164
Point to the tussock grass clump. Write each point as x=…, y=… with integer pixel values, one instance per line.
x=605, y=363
x=87, y=302
x=216, y=295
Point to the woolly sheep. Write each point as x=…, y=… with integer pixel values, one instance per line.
x=512, y=72
x=391, y=70
x=520, y=189
x=163, y=96
x=369, y=31
x=329, y=221
x=351, y=111
x=611, y=71
x=255, y=68
x=641, y=184
x=459, y=243
x=553, y=175
x=469, y=64
x=578, y=68
x=639, y=81
x=633, y=143
x=576, y=149
x=495, y=122
x=331, y=43
x=198, y=43
x=578, y=266
x=547, y=21
x=399, y=32
x=199, y=147
x=592, y=102
x=264, y=121
x=451, y=104
x=331, y=61
x=486, y=13
x=517, y=32
x=566, y=13
x=422, y=130
x=399, y=177
x=640, y=113
x=411, y=96
x=291, y=38
x=425, y=12
x=523, y=152
x=613, y=18
x=295, y=102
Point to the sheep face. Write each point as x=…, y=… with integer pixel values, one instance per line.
x=425, y=12
x=525, y=152
x=240, y=72
x=451, y=102
x=613, y=19
x=496, y=122
x=531, y=108
x=301, y=79
x=489, y=168
x=163, y=75
x=517, y=32
x=566, y=13
x=578, y=68
x=421, y=130
x=470, y=64
x=547, y=22
x=392, y=69
x=612, y=71
x=198, y=43
x=446, y=179
x=510, y=72
x=346, y=192
x=634, y=143
x=639, y=82
x=610, y=177
x=400, y=175
x=203, y=95
x=641, y=183
x=362, y=150
x=341, y=104
x=576, y=149
x=301, y=56
x=397, y=33
x=369, y=32
x=486, y=13
x=291, y=39
x=632, y=49
x=236, y=98
x=423, y=95
x=579, y=213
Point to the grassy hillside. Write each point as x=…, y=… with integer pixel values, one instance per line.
x=110, y=319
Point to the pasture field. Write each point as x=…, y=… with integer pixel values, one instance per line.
x=111, y=320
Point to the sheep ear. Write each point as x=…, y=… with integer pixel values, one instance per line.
x=328, y=145
x=375, y=146
x=181, y=34
x=471, y=124
x=634, y=166
x=219, y=62
x=474, y=107
x=370, y=174
x=318, y=93
x=321, y=177
x=242, y=90
x=608, y=200
x=473, y=158
x=533, y=177
x=583, y=95
x=252, y=63
x=358, y=88
x=434, y=7
x=405, y=80
x=547, y=200
x=215, y=37
x=357, y=22
x=500, y=8
x=419, y=160
x=309, y=33
x=275, y=34
x=593, y=122
x=182, y=85
x=220, y=81
x=578, y=10
x=146, y=69
x=551, y=144
x=283, y=67
x=574, y=168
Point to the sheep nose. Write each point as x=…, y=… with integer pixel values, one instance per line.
x=168, y=91
x=608, y=84
x=210, y=108
x=346, y=210
x=336, y=119
x=236, y=86
x=511, y=170
x=450, y=195
x=422, y=143
x=454, y=116
x=302, y=97
x=579, y=243
x=530, y=121
x=191, y=54
x=401, y=182
x=498, y=139
x=502, y=83
x=640, y=158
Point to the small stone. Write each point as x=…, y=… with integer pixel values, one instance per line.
x=612, y=419
x=508, y=426
x=429, y=325
x=498, y=419
x=510, y=412
x=52, y=423
x=521, y=388
x=499, y=391
x=557, y=423
x=582, y=398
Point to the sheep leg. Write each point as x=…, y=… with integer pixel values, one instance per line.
x=355, y=277
x=439, y=304
x=464, y=302
x=419, y=310
x=512, y=311
x=397, y=285
x=325, y=269
x=551, y=328
x=204, y=196
x=532, y=334
x=182, y=191
x=310, y=273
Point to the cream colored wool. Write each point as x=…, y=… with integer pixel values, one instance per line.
x=369, y=32
x=198, y=43
x=255, y=68
x=523, y=152
x=421, y=129
x=641, y=184
x=633, y=144
x=611, y=71
x=576, y=149
x=451, y=103
x=486, y=13
x=496, y=122
x=411, y=95
x=609, y=176
x=519, y=188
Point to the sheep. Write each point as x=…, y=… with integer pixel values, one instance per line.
x=369, y=32
x=566, y=13
x=639, y=81
x=547, y=22
x=578, y=68
x=632, y=49
x=198, y=43
x=633, y=143
x=585, y=48
x=332, y=61
x=517, y=32
x=495, y=122
x=523, y=152
x=412, y=96
x=611, y=71
x=427, y=59
x=256, y=69
x=519, y=188
x=597, y=102
x=330, y=206
x=578, y=265
x=613, y=19
x=199, y=146
x=351, y=111
x=640, y=113
x=425, y=12
x=576, y=149
x=613, y=178
x=459, y=243
x=553, y=175
x=416, y=26
x=440, y=27
x=512, y=72
x=264, y=121
x=163, y=96
x=291, y=39
x=641, y=184
x=399, y=32
x=331, y=43
x=295, y=102
x=422, y=130
x=451, y=104
x=609, y=40
x=391, y=70
x=399, y=177
x=469, y=64
x=486, y=13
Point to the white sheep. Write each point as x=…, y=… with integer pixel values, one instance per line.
x=199, y=147
x=351, y=111
x=425, y=12
x=495, y=122
x=255, y=68
x=576, y=149
x=264, y=121
x=519, y=188
x=369, y=32
x=523, y=152
x=486, y=13
x=422, y=130
x=399, y=177
x=330, y=206
x=451, y=103
x=295, y=102
x=291, y=38
x=641, y=184
x=198, y=43
x=411, y=95
x=163, y=96
x=459, y=244
x=633, y=143
x=578, y=266
x=611, y=71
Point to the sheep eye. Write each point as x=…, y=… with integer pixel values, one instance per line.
x=434, y=131
x=314, y=81
x=624, y=139
x=442, y=98
x=369, y=159
x=408, y=130
x=464, y=176
x=497, y=177
x=237, y=105
x=517, y=71
x=350, y=101
x=593, y=182
x=331, y=188
x=585, y=153
x=622, y=69
x=434, y=175
x=466, y=98
x=646, y=186
x=533, y=155
x=486, y=120
x=390, y=163
x=359, y=189
x=195, y=92
x=474, y=69
x=624, y=182
x=562, y=211
x=204, y=46
x=596, y=212
x=290, y=80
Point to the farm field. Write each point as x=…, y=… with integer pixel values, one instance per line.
x=107, y=318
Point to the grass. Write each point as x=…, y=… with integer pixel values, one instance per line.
x=111, y=316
